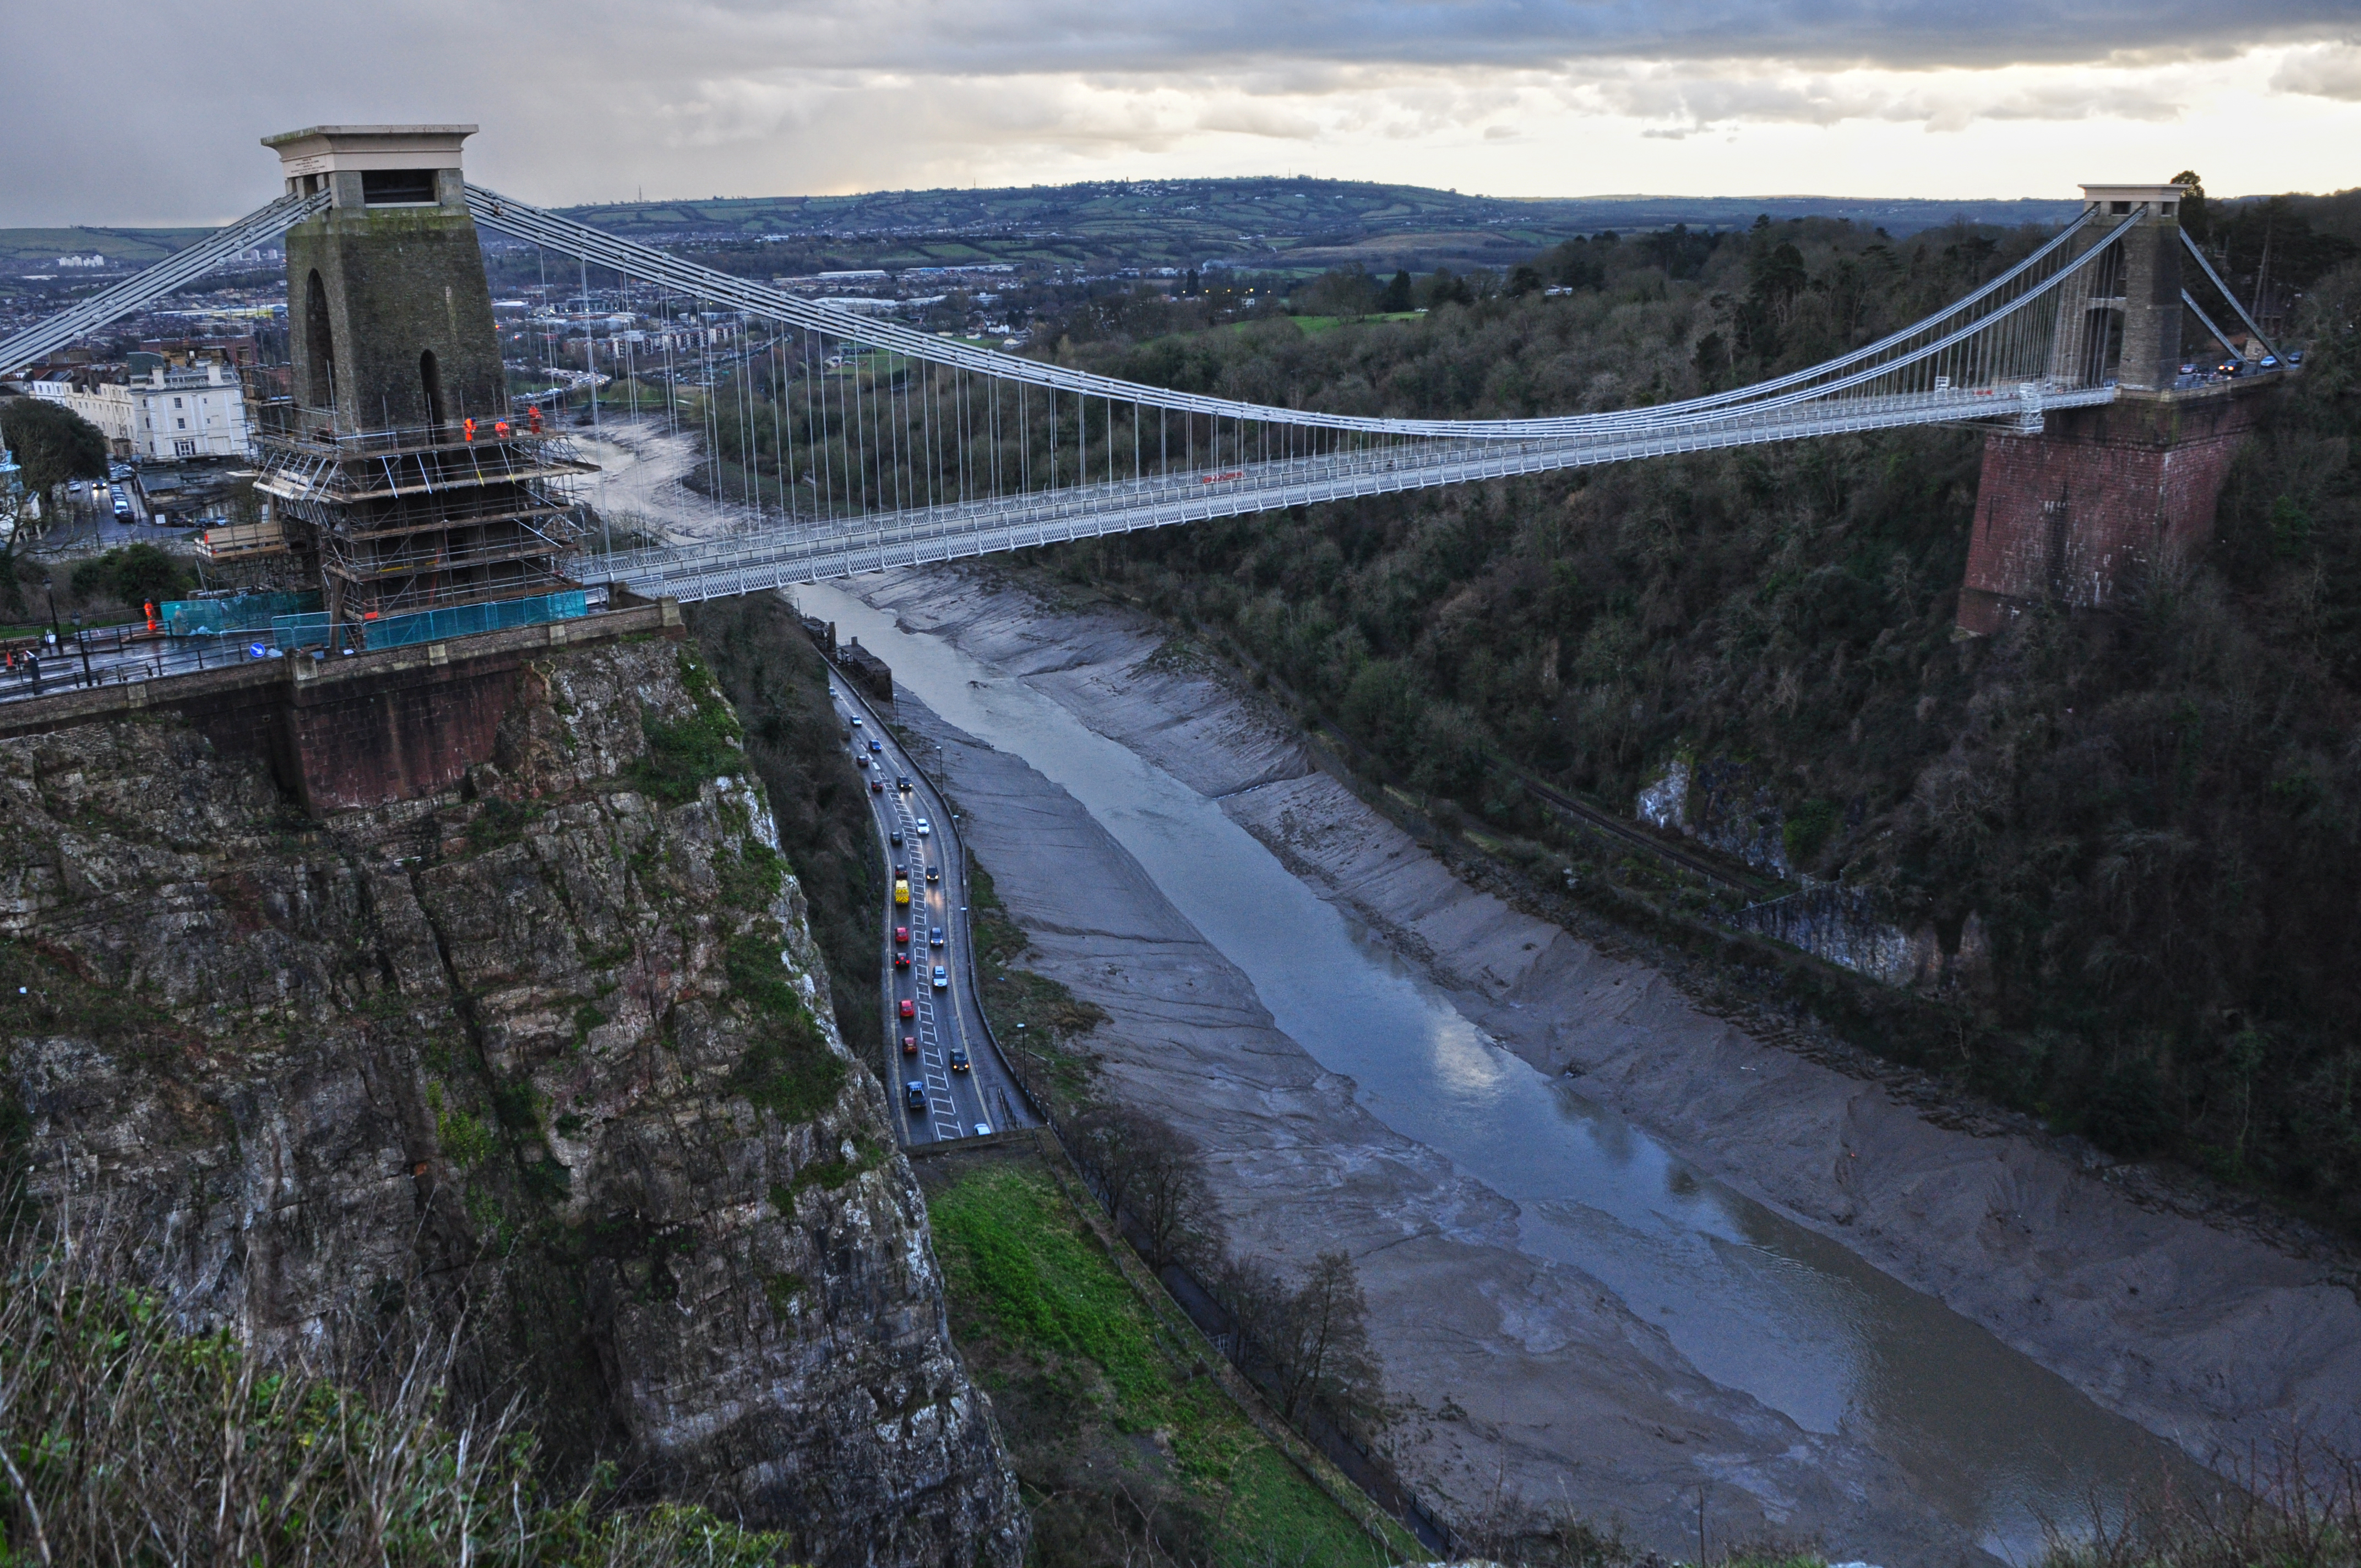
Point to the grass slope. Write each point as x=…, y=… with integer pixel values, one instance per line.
x=1119, y=1434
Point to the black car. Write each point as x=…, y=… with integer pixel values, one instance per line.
x=902, y=781
x=934, y=874
x=914, y=1095
x=894, y=838
x=959, y=1058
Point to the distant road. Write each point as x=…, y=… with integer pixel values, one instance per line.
x=985, y=1096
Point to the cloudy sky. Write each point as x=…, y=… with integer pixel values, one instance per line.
x=149, y=113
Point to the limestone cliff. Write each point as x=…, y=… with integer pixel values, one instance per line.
x=550, y=1057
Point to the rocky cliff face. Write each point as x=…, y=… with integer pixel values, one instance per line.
x=553, y=1060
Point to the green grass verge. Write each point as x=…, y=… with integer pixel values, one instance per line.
x=1117, y=1431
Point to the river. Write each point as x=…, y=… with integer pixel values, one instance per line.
x=1755, y=1302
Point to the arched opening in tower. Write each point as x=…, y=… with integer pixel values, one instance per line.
x=318, y=345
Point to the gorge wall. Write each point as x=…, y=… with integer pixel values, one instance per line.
x=548, y=1057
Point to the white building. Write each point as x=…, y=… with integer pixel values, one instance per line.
x=193, y=411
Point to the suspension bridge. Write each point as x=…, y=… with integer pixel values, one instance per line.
x=899, y=447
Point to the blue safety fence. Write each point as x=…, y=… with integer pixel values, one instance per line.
x=462, y=621
x=236, y=612
x=301, y=631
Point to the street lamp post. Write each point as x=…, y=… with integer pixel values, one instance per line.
x=86, y=677
x=50, y=589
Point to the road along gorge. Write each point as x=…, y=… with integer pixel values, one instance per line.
x=1702, y=1263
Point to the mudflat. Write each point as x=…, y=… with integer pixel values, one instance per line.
x=2209, y=1336
x=1519, y=1375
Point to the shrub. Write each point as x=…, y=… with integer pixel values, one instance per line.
x=129, y=1441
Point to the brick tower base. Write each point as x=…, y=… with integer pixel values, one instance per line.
x=2065, y=516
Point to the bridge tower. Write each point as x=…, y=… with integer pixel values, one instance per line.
x=2065, y=515
x=390, y=449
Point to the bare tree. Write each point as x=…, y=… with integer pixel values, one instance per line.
x=1325, y=1352
x=1171, y=1204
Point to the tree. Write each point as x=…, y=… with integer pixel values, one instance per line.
x=135, y=574
x=1395, y=298
x=1442, y=289
x=2193, y=203
x=1170, y=1203
x=1112, y=1141
x=1325, y=1350
x=52, y=443
x=1340, y=292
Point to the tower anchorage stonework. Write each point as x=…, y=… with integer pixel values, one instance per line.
x=2069, y=514
x=390, y=452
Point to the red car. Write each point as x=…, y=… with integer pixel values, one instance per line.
x=909, y=1045
x=901, y=961
x=909, y=1008
x=902, y=936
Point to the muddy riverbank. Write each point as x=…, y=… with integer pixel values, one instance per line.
x=2211, y=1340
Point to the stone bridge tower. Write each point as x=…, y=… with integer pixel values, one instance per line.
x=390, y=448
x=2066, y=515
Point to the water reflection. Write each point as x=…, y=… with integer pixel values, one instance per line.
x=1754, y=1301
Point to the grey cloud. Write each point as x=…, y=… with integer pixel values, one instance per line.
x=2331, y=70
x=151, y=114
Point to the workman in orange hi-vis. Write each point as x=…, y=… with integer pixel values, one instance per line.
x=468, y=429
x=150, y=608
x=500, y=429
x=532, y=417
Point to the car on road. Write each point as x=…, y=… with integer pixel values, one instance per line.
x=942, y=978
x=914, y=1095
x=901, y=961
x=861, y=758
x=894, y=836
x=856, y=721
x=925, y=828
x=877, y=786
x=902, y=936
x=831, y=694
x=909, y=1045
x=983, y=1129
x=934, y=874
x=909, y=1008
x=935, y=937
x=959, y=1058
x=877, y=748
x=902, y=782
